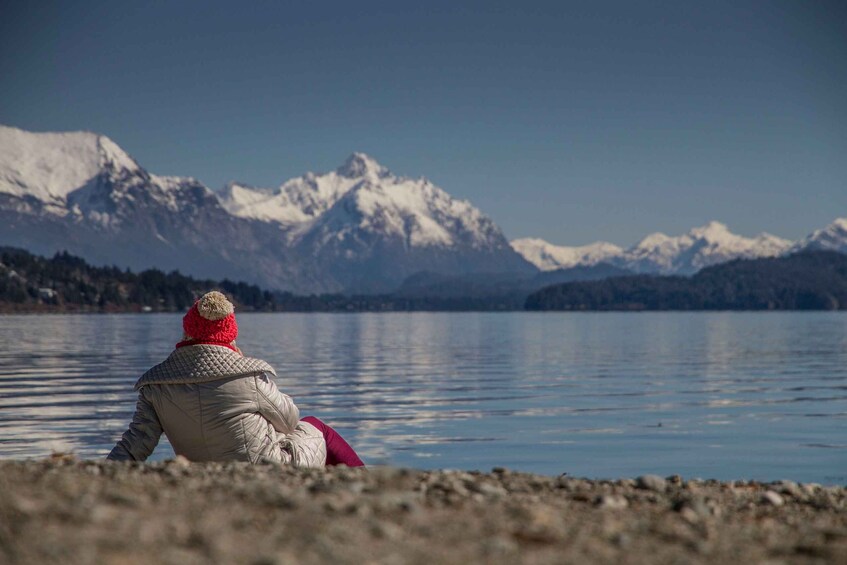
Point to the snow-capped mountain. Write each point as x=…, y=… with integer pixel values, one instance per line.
x=362, y=219
x=359, y=228
x=831, y=238
x=80, y=192
x=78, y=174
x=302, y=199
x=48, y=166
x=701, y=247
x=364, y=195
x=549, y=257
x=658, y=253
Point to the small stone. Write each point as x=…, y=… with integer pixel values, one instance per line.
x=695, y=505
x=790, y=488
x=564, y=482
x=386, y=530
x=180, y=461
x=811, y=488
x=693, y=486
x=689, y=515
x=674, y=479
x=612, y=502
x=651, y=482
x=772, y=498
x=104, y=514
x=62, y=458
x=356, y=487
x=26, y=506
x=459, y=488
x=490, y=491
x=499, y=545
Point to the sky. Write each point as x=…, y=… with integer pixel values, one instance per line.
x=569, y=121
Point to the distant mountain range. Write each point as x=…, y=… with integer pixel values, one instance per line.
x=686, y=254
x=358, y=229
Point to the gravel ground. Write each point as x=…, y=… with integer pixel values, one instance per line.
x=62, y=510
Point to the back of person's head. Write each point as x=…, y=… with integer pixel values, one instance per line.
x=211, y=320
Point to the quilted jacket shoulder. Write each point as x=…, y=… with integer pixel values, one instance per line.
x=202, y=363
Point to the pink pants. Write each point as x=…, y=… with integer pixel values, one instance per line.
x=338, y=451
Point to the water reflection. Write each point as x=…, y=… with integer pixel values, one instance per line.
x=726, y=395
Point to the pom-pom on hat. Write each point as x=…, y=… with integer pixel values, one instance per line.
x=211, y=320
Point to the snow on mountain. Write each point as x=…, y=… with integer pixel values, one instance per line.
x=701, y=247
x=48, y=166
x=359, y=227
x=263, y=204
x=75, y=173
x=300, y=199
x=375, y=200
x=659, y=253
x=831, y=238
x=414, y=211
x=549, y=257
x=399, y=209
x=394, y=227
x=80, y=192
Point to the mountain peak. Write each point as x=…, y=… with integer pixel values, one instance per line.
x=839, y=223
x=712, y=228
x=549, y=257
x=50, y=165
x=713, y=232
x=361, y=165
x=830, y=238
x=111, y=154
x=652, y=240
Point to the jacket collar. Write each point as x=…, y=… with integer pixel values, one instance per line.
x=202, y=363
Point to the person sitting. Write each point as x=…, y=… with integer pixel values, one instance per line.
x=215, y=404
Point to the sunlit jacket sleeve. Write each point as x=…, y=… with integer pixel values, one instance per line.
x=139, y=441
x=278, y=408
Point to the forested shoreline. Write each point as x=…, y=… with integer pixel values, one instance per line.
x=65, y=283
x=803, y=281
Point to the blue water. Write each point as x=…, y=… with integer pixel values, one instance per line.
x=710, y=395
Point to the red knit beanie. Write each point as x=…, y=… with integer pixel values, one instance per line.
x=211, y=320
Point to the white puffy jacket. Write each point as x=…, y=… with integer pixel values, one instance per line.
x=216, y=405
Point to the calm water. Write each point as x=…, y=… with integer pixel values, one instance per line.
x=723, y=395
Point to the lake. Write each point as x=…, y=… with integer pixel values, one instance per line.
x=710, y=395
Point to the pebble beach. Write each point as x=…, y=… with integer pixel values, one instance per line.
x=64, y=510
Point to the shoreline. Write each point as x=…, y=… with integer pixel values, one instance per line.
x=65, y=510
x=72, y=312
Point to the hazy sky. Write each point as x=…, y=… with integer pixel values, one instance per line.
x=570, y=121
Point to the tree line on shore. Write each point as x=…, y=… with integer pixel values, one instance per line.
x=803, y=281
x=65, y=283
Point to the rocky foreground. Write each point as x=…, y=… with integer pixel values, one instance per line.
x=63, y=510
